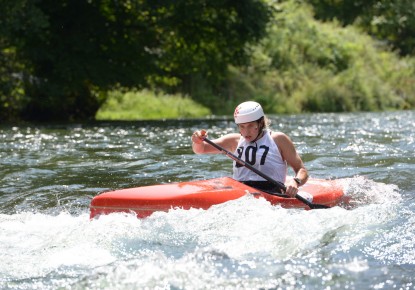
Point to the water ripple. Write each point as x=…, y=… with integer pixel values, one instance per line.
x=49, y=174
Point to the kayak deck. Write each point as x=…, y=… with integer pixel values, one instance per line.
x=143, y=201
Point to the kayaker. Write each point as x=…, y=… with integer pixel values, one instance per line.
x=267, y=151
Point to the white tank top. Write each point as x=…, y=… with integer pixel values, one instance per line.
x=262, y=154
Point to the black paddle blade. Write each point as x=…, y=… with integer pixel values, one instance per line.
x=311, y=205
x=318, y=206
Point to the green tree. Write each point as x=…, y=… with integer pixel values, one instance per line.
x=305, y=65
x=73, y=49
x=15, y=15
x=391, y=21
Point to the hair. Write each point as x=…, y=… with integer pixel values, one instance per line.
x=265, y=122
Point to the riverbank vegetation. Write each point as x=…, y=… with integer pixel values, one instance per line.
x=146, y=60
x=306, y=65
x=147, y=105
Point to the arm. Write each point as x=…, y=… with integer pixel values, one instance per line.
x=229, y=142
x=290, y=155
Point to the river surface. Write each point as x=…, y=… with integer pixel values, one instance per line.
x=50, y=173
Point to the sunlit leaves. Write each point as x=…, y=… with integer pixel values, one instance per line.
x=74, y=47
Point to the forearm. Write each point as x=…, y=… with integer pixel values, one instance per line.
x=198, y=148
x=228, y=141
x=198, y=145
x=302, y=175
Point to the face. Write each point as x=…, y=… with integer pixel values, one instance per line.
x=249, y=130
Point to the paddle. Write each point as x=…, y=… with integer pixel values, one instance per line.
x=280, y=185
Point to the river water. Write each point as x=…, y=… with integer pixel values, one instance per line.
x=50, y=173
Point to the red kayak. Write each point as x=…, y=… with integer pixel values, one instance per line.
x=143, y=201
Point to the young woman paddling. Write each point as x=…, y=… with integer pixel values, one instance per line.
x=267, y=151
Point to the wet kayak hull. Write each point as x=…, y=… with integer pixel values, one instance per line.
x=143, y=201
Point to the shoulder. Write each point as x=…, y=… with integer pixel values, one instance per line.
x=280, y=137
x=229, y=141
x=282, y=140
x=232, y=136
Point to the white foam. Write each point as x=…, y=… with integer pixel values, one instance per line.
x=241, y=242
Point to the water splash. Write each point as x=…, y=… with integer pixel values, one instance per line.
x=242, y=242
x=363, y=191
x=50, y=173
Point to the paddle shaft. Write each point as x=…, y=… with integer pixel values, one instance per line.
x=280, y=185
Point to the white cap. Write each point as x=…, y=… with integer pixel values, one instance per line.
x=248, y=112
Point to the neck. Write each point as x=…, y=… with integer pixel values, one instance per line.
x=260, y=134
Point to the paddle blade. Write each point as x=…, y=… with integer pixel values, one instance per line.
x=317, y=206
x=311, y=205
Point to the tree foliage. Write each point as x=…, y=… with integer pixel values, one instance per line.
x=305, y=65
x=69, y=50
x=391, y=21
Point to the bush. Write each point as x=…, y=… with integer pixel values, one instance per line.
x=304, y=65
x=146, y=105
